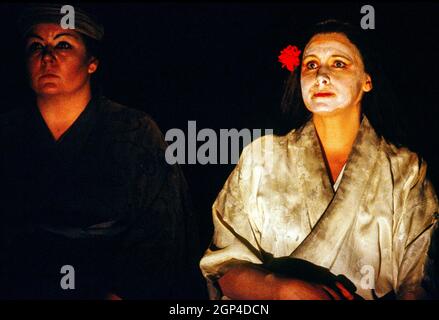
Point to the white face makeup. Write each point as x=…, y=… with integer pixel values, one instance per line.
x=332, y=74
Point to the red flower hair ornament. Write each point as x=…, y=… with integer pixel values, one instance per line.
x=289, y=57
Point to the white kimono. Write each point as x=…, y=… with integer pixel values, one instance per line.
x=375, y=228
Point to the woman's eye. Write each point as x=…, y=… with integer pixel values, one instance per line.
x=34, y=47
x=311, y=65
x=339, y=64
x=63, y=45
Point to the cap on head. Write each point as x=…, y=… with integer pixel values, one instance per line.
x=51, y=13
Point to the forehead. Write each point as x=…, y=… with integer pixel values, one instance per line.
x=50, y=30
x=331, y=43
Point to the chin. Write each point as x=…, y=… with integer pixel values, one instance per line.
x=47, y=92
x=325, y=110
x=322, y=108
x=47, y=89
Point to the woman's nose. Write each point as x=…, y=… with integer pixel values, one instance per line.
x=47, y=56
x=322, y=79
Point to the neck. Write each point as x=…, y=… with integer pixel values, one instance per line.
x=337, y=132
x=63, y=105
x=60, y=111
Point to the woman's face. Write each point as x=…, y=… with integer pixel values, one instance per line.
x=332, y=74
x=57, y=60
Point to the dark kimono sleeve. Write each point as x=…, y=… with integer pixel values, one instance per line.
x=158, y=254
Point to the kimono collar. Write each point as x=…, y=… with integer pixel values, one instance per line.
x=76, y=135
x=316, y=182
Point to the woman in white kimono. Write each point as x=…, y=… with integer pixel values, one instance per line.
x=331, y=210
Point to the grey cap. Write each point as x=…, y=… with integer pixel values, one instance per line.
x=51, y=13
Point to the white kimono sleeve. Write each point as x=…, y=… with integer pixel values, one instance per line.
x=234, y=240
x=418, y=205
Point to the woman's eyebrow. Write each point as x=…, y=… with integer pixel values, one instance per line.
x=33, y=35
x=66, y=34
x=342, y=56
x=310, y=56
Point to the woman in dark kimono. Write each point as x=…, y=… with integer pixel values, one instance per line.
x=90, y=208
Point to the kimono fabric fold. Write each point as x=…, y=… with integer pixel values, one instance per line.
x=279, y=203
x=101, y=199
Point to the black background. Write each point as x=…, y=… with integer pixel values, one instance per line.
x=217, y=64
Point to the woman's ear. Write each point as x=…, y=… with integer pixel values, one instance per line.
x=93, y=65
x=367, y=85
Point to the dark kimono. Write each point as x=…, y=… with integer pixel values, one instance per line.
x=101, y=199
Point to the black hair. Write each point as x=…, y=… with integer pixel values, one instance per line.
x=378, y=105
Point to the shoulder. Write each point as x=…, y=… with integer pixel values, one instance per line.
x=415, y=200
x=130, y=123
x=13, y=117
x=412, y=187
x=132, y=141
x=13, y=125
x=269, y=146
x=263, y=157
x=406, y=165
x=399, y=154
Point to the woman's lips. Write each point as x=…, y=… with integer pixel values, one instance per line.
x=322, y=94
x=49, y=75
